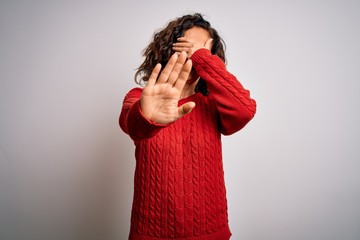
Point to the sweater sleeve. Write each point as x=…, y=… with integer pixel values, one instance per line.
x=133, y=122
x=234, y=104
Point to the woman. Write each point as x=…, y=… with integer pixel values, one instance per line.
x=176, y=122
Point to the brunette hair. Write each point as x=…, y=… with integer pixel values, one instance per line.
x=160, y=48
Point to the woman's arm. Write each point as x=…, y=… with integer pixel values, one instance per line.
x=147, y=111
x=234, y=104
x=133, y=122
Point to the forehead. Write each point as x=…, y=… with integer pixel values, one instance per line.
x=197, y=34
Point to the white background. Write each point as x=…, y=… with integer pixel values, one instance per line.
x=67, y=169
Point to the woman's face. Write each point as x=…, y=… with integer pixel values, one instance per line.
x=197, y=35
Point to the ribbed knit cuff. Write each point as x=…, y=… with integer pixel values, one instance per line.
x=200, y=54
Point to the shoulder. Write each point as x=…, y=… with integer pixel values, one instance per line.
x=134, y=93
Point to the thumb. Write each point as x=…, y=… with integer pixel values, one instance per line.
x=185, y=108
x=208, y=43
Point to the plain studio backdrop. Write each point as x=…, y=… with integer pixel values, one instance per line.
x=67, y=169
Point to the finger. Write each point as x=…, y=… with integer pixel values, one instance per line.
x=182, y=39
x=186, y=108
x=177, y=69
x=183, y=44
x=208, y=43
x=154, y=74
x=168, y=69
x=188, y=52
x=181, y=49
x=184, y=75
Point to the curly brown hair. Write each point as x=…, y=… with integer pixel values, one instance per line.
x=160, y=48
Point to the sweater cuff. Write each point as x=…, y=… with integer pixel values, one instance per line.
x=142, y=127
x=200, y=54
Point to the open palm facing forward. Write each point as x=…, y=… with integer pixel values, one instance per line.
x=160, y=97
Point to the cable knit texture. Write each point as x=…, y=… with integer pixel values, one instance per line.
x=179, y=188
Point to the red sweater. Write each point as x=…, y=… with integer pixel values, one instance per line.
x=179, y=188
